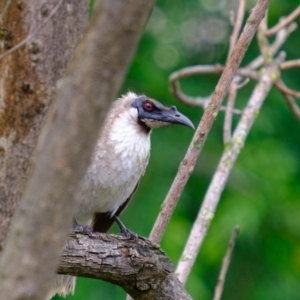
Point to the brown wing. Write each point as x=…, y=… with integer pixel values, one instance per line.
x=103, y=221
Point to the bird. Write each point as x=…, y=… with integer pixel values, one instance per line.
x=118, y=162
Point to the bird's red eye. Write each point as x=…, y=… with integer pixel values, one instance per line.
x=148, y=106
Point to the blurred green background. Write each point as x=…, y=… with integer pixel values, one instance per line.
x=263, y=192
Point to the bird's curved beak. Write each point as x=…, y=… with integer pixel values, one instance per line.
x=173, y=116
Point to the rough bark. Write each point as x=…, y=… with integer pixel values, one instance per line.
x=40, y=225
x=28, y=78
x=138, y=266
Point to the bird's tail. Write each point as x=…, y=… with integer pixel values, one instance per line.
x=64, y=285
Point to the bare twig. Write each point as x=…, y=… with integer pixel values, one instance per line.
x=210, y=69
x=230, y=110
x=290, y=64
x=280, y=39
x=35, y=31
x=243, y=83
x=287, y=91
x=204, y=69
x=221, y=175
x=2, y=14
x=263, y=42
x=234, y=84
x=210, y=113
x=292, y=105
x=237, y=27
x=225, y=264
x=283, y=22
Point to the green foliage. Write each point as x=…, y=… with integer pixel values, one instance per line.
x=262, y=195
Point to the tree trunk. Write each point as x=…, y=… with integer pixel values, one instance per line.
x=28, y=80
x=42, y=221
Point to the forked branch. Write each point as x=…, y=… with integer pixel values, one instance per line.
x=218, y=182
x=269, y=76
x=210, y=113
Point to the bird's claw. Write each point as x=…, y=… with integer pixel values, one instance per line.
x=124, y=231
x=85, y=229
x=129, y=234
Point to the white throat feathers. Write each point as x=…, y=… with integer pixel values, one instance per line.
x=120, y=158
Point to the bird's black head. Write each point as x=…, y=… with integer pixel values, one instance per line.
x=152, y=114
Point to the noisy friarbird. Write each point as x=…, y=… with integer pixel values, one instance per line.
x=120, y=158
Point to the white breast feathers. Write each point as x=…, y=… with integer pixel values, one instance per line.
x=120, y=159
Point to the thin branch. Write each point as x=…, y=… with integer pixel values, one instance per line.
x=2, y=14
x=280, y=39
x=229, y=111
x=225, y=264
x=222, y=173
x=285, y=90
x=243, y=83
x=210, y=69
x=283, y=22
x=35, y=31
x=204, y=69
x=292, y=105
x=210, y=113
x=263, y=42
x=234, y=84
x=237, y=27
x=290, y=64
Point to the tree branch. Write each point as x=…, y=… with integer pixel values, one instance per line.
x=232, y=92
x=4, y=10
x=217, y=184
x=210, y=113
x=292, y=105
x=140, y=267
x=225, y=264
x=237, y=25
x=285, y=90
x=281, y=37
x=290, y=64
x=284, y=22
x=198, y=70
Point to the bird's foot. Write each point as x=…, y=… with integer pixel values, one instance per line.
x=128, y=234
x=85, y=229
x=125, y=231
